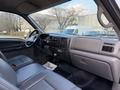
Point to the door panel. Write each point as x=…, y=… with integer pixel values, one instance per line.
x=14, y=47
x=7, y=45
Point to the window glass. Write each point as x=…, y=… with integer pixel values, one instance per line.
x=118, y=2
x=76, y=17
x=13, y=26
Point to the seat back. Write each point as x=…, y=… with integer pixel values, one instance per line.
x=5, y=85
x=7, y=73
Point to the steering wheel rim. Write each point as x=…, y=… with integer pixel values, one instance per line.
x=32, y=38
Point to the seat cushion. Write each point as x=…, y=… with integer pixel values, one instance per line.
x=20, y=61
x=28, y=72
x=48, y=80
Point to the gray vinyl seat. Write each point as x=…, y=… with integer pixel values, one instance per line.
x=28, y=72
x=19, y=61
x=32, y=77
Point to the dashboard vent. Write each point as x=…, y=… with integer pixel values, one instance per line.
x=108, y=48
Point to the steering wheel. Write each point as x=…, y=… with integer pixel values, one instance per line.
x=32, y=38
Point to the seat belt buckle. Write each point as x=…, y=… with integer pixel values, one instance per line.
x=14, y=66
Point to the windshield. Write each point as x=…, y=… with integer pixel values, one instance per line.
x=76, y=17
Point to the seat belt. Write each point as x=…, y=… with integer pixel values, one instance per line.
x=3, y=56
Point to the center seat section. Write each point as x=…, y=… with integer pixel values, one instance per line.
x=32, y=77
x=48, y=80
x=28, y=72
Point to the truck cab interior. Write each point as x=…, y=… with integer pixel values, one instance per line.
x=35, y=54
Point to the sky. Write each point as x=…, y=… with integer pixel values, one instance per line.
x=88, y=6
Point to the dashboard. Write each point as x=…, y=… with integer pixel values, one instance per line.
x=55, y=41
x=56, y=44
x=59, y=42
x=95, y=55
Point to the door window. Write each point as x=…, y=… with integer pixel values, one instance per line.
x=13, y=26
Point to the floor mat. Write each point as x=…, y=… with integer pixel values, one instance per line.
x=83, y=79
x=99, y=84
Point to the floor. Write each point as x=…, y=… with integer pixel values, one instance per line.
x=83, y=79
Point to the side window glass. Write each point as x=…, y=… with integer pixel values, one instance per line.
x=13, y=26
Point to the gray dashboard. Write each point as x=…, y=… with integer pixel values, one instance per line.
x=97, y=56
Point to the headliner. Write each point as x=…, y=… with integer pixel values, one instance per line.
x=26, y=7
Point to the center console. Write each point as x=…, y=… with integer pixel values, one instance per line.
x=58, y=42
x=58, y=46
